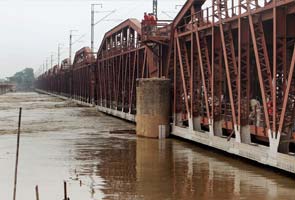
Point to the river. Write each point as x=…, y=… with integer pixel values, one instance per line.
x=62, y=141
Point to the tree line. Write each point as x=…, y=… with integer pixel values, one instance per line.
x=24, y=79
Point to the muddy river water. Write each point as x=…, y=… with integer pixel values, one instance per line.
x=61, y=141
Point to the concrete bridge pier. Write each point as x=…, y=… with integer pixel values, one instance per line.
x=153, y=107
x=197, y=123
x=245, y=134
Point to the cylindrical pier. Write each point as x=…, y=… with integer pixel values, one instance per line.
x=152, y=107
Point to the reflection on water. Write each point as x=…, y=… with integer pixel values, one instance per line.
x=62, y=142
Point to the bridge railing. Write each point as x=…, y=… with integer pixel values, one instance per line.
x=213, y=14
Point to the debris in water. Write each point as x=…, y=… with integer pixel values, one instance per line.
x=123, y=131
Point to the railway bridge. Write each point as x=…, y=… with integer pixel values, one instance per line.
x=231, y=71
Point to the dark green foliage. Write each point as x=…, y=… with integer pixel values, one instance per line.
x=24, y=79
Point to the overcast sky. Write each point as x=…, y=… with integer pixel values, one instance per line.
x=30, y=30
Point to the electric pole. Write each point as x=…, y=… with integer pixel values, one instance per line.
x=70, y=46
x=58, y=54
x=155, y=8
x=70, y=49
x=46, y=64
x=51, y=60
x=93, y=23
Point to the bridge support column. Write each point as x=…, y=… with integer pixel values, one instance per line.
x=197, y=123
x=217, y=128
x=152, y=107
x=177, y=119
x=279, y=143
x=245, y=134
x=284, y=144
x=273, y=143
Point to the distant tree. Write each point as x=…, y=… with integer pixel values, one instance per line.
x=24, y=79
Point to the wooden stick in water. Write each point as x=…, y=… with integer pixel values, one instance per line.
x=65, y=191
x=17, y=153
x=37, y=192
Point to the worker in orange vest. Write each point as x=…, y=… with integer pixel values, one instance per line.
x=153, y=20
x=146, y=18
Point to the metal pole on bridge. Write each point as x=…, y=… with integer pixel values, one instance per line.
x=93, y=22
x=70, y=46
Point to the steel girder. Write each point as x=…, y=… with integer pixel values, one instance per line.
x=231, y=66
x=231, y=53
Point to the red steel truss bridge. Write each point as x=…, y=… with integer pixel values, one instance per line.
x=231, y=66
